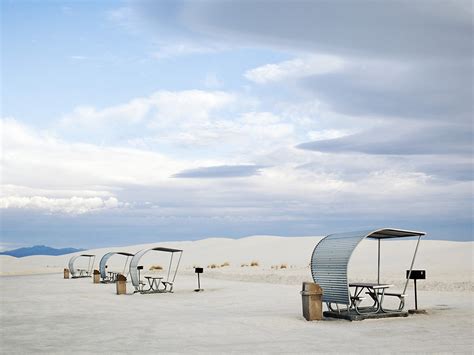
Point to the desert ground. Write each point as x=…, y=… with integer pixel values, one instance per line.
x=244, y=309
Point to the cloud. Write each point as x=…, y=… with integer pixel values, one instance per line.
x=226, y=124
x=188, y=106
x=72, y=166
x=25, y=191
x=326, y=134
x=422, y=90
x=87, y=116
x=396, y=140
x=224, y=171
x=73, y=205
x=159, y=109
x=403, y=60
x=295, y=69
x=381, y=93
x=288, y=186
x=408, y=29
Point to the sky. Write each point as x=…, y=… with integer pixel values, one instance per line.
x=126, y=122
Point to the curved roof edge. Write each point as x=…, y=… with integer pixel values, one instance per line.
x=380, y=233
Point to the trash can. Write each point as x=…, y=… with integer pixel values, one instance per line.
x=312, y=295
x=66, y=273
x=121, y=285
x=96, y=276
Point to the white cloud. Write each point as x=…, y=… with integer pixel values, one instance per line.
x=25, y=191
x=295, y=69
x=187, y=107
x=327, y=134
x=190, y=118
x=160, y=109
x=131, y=112
x=216, y=129
x=240, y=137
x=72, y=205
x=41, y=161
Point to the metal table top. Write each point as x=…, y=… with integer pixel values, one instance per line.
x=373, y=285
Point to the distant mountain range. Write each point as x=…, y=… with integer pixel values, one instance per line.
x=39, y=250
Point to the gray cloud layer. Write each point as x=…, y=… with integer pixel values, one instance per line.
x=223, y=171
x=407, y=76
x=408, y=58
x=398, y=140
x=381, y=28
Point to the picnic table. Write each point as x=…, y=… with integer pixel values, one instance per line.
x=153, y=283
x=113, y=275
x=83, y=272
x=376, y=292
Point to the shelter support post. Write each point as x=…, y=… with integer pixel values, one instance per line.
x=169, y=269
x=411, y=266
x=378, y=261
x=177, y=266
x=416, y=301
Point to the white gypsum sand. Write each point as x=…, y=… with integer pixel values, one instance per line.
x=45, y=313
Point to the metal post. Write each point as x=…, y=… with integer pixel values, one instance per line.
x=378, y=263
x=169, y=269
x=177, y=266
x=411, y=266
x=199, y=283
x=125, y=266
x=416, y=301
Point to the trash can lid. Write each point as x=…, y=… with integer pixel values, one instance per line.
x=120, y=277
x=311, y=287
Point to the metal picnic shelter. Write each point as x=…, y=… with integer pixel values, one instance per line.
x=76, y=273
x=154, y=283
x=111, y=277
x=329, y=268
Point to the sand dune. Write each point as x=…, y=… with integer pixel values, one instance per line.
x=449, y=264
x=45, y=313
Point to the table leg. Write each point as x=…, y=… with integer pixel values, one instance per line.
x=150, y=283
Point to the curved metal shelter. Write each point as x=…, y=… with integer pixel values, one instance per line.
x=134, y=273
x=106, y=257
x=331, y=257
x=75, y=273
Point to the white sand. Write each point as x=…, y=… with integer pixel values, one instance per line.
x=45, y=313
